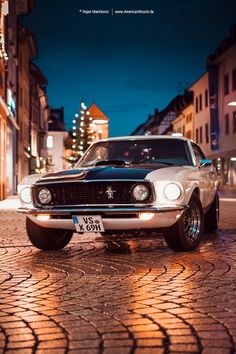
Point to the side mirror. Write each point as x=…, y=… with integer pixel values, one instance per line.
x=205, y=162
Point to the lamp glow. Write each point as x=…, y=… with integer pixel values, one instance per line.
x=100, y=121
x=43, y=217
x=25, y=195
x=145, y=216
x=172, y=191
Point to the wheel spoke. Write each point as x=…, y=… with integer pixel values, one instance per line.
x=192, y=223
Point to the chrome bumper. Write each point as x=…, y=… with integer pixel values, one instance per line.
x=162, y=217
x=112, y=210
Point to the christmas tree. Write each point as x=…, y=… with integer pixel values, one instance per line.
x=83, y=133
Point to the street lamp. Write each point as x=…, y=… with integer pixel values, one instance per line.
x=100, y=121
x=232, y=103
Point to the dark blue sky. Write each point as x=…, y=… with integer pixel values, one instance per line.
x=128, y=64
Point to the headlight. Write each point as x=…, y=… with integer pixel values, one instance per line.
x=172, y=191
x=140, y=192
x=44, y=196
x=25, y=195
x=29, y=180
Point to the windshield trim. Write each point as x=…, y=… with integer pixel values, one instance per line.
x=185, y=143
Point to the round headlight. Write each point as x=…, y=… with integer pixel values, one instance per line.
x=140, y=192
x=44, y=196
x=172, y=191
x=25, y=195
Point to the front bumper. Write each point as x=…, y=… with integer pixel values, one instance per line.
x=62, y=218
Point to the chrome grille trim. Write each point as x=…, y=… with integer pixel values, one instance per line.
x=95, y=191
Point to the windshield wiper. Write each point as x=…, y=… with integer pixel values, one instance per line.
x=151, y=162
x=164, y=162
x=110, y=162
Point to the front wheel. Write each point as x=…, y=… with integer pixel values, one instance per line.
x=45, y=238
x=186, y=233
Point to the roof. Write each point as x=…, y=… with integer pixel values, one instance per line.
x=26, y=35
x=226, y=44
x=56, y=120
x=96, y=112
x=138, y=129
x=198, y=79
x=37, y=73
x=177, y=104
x=145, y=137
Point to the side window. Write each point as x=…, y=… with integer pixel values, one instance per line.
x=198, y=153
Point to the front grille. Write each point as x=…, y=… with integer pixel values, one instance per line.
x=87, y=193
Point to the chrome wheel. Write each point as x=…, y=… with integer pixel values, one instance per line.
x=192, y=223
x=186, y=233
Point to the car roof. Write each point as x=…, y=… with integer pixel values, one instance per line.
x=145, y=137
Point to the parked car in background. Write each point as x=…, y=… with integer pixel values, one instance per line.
x=152, y=183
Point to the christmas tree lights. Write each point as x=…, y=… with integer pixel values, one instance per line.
x=82, y=132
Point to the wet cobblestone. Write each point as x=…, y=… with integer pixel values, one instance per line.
x=117, y=295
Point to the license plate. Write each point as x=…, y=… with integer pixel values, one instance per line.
x=88, y=223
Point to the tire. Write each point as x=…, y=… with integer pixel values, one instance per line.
x=187, y=232
x=47, y=239
x=212, y=216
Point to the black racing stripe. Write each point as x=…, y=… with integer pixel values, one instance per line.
x=111, y=172
x=102, y=173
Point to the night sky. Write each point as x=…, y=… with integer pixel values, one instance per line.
x=127, y=64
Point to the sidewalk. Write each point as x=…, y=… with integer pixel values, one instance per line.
x=11, y=203
x=227, y=195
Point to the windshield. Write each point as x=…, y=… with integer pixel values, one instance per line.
x=162, y=151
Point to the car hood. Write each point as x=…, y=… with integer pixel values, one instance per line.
x=137, y=172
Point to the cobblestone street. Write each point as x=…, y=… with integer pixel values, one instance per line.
x=117, y=296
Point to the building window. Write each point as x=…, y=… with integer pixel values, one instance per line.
x=21, y=96
x=200, y=102
x=234, y=79
x=226, y=124
x=200, y=135
x=206, y=98
x=226, y=84
x=197, y=135
x=206, y=133
x=50, y=142
x=1, y=80
x=196, y=105
x=234, y=121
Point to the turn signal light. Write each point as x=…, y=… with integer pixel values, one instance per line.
x=145, y=216
x=43, y=217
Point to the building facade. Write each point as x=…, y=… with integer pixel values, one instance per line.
x=23, y=100
x=39, y=114
x=160, y=122
x=100, y=122
x=56, y=141
x=3, y=105
x=201, y=113
x=215, y=109
x=224, y=59
x=184, y=122
x=12, y=96
x=27, y=50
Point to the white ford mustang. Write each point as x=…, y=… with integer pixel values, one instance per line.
x=126, y=184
